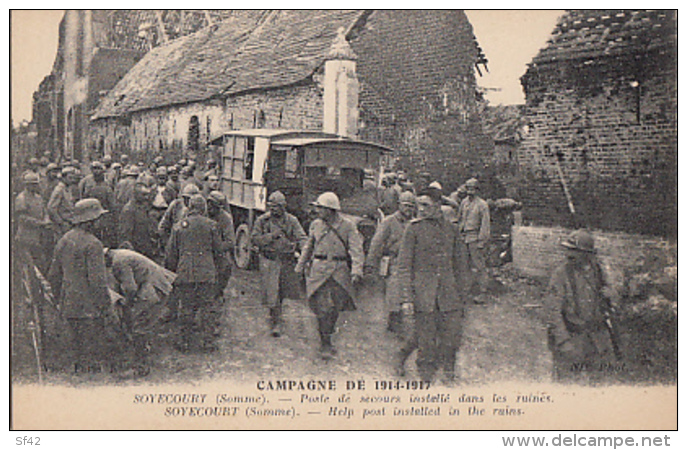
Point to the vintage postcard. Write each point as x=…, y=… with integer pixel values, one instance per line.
x=343, y=220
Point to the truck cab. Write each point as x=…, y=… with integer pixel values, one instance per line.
x=301, y=164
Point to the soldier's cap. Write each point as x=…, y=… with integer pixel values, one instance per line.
x=197, y=204
x=217, y=198
x=158, y=159
x=431, y=192
x=181, y=163
x=190, y=190
x=44, y=161
x=141, y=164
x=579, y=240
x=116, y=166
x=33, y=161
x=87, y=210
x=187, y=170
x=31, y=178
x=107, y=159
x=436, y=185
x=51, y=167
x=133, y=171
x=68, y=170
x=162, y=170
x=472, y=183
x=172, y=169
x=277, y=198
x=97, y=165
x=146, y=179
x=406, y=198
x=124, y=156
x=213, y=178
x=211, y=162
x=328, y=200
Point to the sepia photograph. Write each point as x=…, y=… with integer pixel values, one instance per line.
x=331, y=219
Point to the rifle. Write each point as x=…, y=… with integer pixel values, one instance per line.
x=608, y=323
x=34, y=326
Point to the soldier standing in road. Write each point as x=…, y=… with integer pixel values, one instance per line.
x=95, y=186
x=124, y=191
x=384, y=251
x=61, y=203
x=218, y=210
x=33, y=223
x=78, y=279
x=427, y=284
x=334, y=253
x=137, y=228
x=194, y=253
x=474, y=230
x=176, y=211
x=581, y=334
x=48, y=183
x=277, y=235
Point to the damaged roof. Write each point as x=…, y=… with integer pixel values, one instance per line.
x=241, y=54
x=589, y=34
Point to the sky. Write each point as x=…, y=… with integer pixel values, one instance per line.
x=501, y=34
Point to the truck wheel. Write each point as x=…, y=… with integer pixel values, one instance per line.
x=242, y=250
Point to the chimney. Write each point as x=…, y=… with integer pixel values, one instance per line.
x=341, y=89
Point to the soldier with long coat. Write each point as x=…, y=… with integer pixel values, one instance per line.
x=427, y=262
x=137, y=227
x=334, y=255
x=383, y=253
x=474, y=226
x=277, y=235
x=79, y=281
x=194, y=253
x=33, y=224
x=579, y=334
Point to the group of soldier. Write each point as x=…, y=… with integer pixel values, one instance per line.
x=152, y=244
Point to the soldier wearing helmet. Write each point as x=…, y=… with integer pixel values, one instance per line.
x=48, y=183
x=334, y=255
x=79, y=282
x=124, y=191
x=278, y=235
x=137, y=225
x=176, y=211
x=194, y=253
x=474, y=228
x=384, y=251
x=218, y=210
x=32, y=222
x=579, y=335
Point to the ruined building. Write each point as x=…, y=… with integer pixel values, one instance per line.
x=96, y=49
x=601, y=110
x=405, y=79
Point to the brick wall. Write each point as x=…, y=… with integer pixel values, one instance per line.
x=616, y=142
x=537, y=251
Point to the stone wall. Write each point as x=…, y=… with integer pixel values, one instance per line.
x=537, y=251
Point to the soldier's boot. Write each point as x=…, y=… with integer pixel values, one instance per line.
x=400, y=363
x=394, y=321
x=275, y=321
x=327, y=350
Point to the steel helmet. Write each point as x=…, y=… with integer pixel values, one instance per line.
x=277, y=198
x=579, y=240
x=328, y=200
x=87, y=209
x=406, y=197
x=472, y=183
x=190, y=190
x=31, y=178
x=218, y=198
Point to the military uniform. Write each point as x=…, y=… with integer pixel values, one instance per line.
x=61, y=208
x=225, y=225
x=579, y=335
x=474, y=227
x=329, y=286
x=426, y=264
x=384, y=247
x=137, y=227
x=145, y=285
x=103, y=192
x=175, y=213
x=277, y=239
x=78, y=279
x=32, y=228
x=194, y=253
